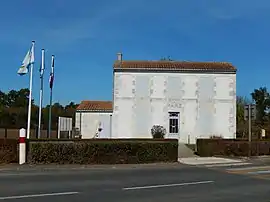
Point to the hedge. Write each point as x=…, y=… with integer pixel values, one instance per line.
x=8, y=151
x=232, y=147
x=102, y=151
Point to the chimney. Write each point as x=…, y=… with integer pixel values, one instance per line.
x=119, y=56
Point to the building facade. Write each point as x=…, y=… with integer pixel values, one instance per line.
x=190, y=99
x=94, y=119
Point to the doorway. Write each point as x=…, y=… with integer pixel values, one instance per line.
x=174, y=120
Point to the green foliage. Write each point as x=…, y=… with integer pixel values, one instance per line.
x=262, y=99
x=14, y=109
x=232, y=147
x=158, y=132
x=168, y=58
x=8, y=151
x=240, y=104
x=102, y=151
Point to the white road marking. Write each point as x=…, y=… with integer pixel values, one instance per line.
x=260, y=172
x=38, y=195
x=167, y=185
x=226, y=164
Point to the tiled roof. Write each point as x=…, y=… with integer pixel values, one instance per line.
x=173, y=65
x=88, y=105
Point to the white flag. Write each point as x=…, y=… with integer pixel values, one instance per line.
x=27, y=61
x=42, y=66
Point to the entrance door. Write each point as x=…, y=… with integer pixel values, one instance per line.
x=174, y=125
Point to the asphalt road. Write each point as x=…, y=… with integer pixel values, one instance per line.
x=142, y=184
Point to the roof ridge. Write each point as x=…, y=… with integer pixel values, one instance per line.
x=178, y=61
x=96, y=101
x=95, y=105
x=174, y=65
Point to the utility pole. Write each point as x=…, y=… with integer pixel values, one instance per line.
x=250, y=114
x=249, y=123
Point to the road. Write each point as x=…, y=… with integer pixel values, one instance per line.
x=143, y=184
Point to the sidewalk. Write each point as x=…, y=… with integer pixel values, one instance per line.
x=209, y=160
x=51, y=167
x=225, y=161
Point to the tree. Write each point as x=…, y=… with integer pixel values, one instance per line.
x=168, y=58
x=70, y=111
x=71, y=105
x=158, y=131
x=240, y=105
x=3, y=100
x=14, y=110
x=262, y=99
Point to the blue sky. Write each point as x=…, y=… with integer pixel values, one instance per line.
x=85, y=36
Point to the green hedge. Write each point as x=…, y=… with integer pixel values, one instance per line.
x=102, y=151
x=232, y=147
x=8, y=151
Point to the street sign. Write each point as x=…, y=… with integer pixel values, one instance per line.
x=250, y=109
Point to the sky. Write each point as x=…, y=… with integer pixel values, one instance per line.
x=85, y=35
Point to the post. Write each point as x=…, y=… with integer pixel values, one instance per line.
x=30, y=94
x=50, y=115
x=41, y=91
x=30, y=103
x=249, y=129
x=22, y=147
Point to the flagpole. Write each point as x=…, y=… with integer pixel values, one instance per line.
x=51, y=91
x=30, y=94
x=41, y=91
x=50, y=114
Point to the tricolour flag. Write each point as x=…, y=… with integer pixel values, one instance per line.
x=52, y=73
x=27, y=61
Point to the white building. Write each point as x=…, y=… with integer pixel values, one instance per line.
x=190, y=99
x=94, y=119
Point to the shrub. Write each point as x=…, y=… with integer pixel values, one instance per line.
x=216, y=137
x=158, y=131
x=102, y=151
x=8, y=151
x=232, y=147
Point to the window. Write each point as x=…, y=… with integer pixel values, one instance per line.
x=173, y=122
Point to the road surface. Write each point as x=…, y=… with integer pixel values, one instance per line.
x=142, y=184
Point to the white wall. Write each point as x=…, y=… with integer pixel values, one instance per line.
x=89, y=124
x=206, y=102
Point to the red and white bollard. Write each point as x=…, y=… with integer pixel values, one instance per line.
x=22, y=146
